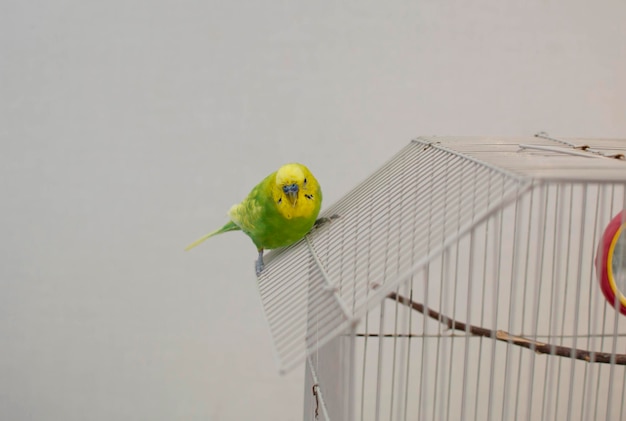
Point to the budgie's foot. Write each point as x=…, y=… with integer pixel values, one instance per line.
x=259, y=263
x=324, y=220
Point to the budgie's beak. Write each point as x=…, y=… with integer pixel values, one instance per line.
x=291, y=191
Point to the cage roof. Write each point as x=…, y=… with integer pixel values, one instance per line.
x=426, y=197
x=544, y=157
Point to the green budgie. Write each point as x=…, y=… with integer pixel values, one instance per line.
x=279, y=211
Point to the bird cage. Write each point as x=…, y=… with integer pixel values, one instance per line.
x=466, y=279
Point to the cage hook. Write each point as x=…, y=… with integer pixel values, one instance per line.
x=317, y=401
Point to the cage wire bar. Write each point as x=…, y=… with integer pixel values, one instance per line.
x=445, y=270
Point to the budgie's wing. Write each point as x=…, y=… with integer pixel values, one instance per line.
x=230, y=226
x=249, y=214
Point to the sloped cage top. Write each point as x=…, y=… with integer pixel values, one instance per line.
x=422, y=200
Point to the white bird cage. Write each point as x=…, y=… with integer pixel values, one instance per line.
x=460, y=282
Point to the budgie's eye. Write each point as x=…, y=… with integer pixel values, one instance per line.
x=304, y=184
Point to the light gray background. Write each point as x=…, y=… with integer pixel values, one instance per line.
x=128, y=129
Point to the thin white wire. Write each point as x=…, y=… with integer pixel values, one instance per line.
x=517, y=247
x=350, y=376
x=525, y=289
x=565, y=277
x=497, y=232
x=593, y=304
x=577, y=309
x=363, y=378
x=546, y=136
x=424, y=367
x=321, y=401
x=556, y=299
x=468, y=314
x=455, y=284
x=538, y=278
x=441, y=349
x=408, y=352
x=497, y=238
x=393, y=361
x=482, y=301
x=379, y=372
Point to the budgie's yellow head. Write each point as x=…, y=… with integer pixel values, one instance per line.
x=296, y=192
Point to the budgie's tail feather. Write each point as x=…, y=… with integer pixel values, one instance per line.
x=230, y=226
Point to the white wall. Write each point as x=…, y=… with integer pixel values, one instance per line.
x=127, y=129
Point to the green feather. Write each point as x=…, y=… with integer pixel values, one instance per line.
x=230, y=226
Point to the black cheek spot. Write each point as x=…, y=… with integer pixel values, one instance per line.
x=308, y=196
x=280, y=200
